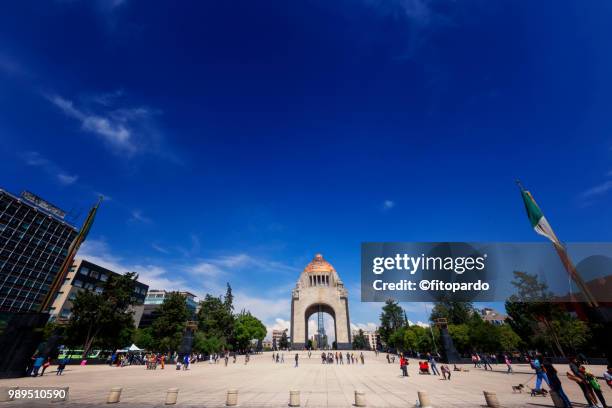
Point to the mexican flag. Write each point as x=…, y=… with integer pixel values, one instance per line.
x=537, y=219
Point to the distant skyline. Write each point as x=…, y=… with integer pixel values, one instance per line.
x=234, y=141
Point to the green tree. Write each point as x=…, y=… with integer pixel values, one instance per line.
x=247, y=328
x=215, y=318
x=460, y=333
x=207, y=345
x=143, y=338
x=532, y=314
x=168, y=328
x=453, y=312
x=508, y=339
x=360, y=342
x=391, y=319
x=103, y=319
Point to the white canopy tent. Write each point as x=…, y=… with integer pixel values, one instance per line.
x=132, y=348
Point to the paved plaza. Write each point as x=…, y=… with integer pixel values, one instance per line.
x=263, y=383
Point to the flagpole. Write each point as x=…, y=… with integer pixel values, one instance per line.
x=567, y=263
x=72, y=251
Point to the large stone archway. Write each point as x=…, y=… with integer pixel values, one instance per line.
x=319, y=288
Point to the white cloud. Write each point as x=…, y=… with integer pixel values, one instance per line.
x=67, y=179
x=364, y=326
x=207, y=269
x=156, y=276
x=597, y=190
x=418, y=323
x=127, y=131
x=265, y=309
x=112, y=130
x=35, y=159
x=279, y=324
x=387, y=205
x=136, y=216
x=160, y=248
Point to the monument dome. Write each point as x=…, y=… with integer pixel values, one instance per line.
x=318, y=264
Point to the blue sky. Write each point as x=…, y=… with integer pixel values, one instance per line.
x=234, y=140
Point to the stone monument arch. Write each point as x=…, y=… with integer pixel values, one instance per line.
x=319, y=289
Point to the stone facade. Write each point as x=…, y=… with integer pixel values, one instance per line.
x=319, y=288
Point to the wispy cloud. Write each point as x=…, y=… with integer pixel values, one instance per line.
x=156, y=276
x=597, y=190
x=388, y=205
x=136, y=216
x=112, y=130
x=160, y=249
x=67, y=179
x=126, y=131
x=35, y=159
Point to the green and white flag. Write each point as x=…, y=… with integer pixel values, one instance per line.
x=537, y=219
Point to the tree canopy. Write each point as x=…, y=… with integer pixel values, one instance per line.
x=103, y=319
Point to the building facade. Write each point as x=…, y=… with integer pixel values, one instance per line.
x=155, y=297
x=85, y=275
x=493, y=316
x=319, y=290
x=372, y=337
x=34, y=241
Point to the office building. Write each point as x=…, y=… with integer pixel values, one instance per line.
x=372, y=337
x=85, y=275
x=155, y=297
x=34, y=241
x=493, y=316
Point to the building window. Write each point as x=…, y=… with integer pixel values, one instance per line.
x=84, y=271
x=78, y=283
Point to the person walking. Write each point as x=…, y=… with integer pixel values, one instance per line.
x=61, y=366
x=508, y=364
x=555, y=382
x=536, y=364
x=595, y=387
x=45, y=365
x=282, y=357
x=579, y=378
x=362, y=357
x=432, y=364
x=296, y=359
x=38, y=362
x=608, y=376
x=486, y=362
x=403, y=366
x=445, y=372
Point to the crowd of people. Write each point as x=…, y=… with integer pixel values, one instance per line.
x=544, y=372
x=338, y=357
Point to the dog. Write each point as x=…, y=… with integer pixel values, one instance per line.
x=541, y=392
x=518, y=388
